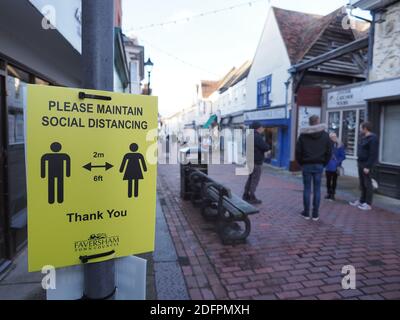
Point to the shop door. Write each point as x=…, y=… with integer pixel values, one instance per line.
x=272, y=138
x=3, y=168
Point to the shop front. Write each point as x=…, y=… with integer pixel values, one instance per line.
x=276, y=133
x=384, y=113
x=345, y=109
x=24, y=59
x=233, y=138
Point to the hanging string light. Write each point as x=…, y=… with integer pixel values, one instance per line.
x=172, y=56
x=199, y=15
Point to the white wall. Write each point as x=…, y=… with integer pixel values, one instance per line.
x=135, y=78
x=271, y=58
x=232, y=100
x=118, y=87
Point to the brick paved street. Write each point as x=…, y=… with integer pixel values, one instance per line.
x=285, y=256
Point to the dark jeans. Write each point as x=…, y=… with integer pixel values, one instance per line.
x=367, y=191
x=331, y=182
x=253, y=180
x=312, y=175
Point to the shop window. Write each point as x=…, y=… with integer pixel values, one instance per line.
x=41, y=81
x=18, y=73
x=271, y=137
x=350, y=131
x=334, y=122
x=390, y=148
x=345, y=124
x=15, y=102
x=264, y=88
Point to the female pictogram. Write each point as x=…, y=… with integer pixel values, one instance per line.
x=132, y=166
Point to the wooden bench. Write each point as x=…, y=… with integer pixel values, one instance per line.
x=219, y=204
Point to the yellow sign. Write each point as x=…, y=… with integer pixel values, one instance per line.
x=91, y=175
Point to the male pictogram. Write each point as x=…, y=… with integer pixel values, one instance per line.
x=132, y=165
x=55, y=163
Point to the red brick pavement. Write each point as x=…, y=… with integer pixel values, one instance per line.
x=285, y=257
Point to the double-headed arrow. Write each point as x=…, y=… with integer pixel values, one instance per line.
x=89, y=166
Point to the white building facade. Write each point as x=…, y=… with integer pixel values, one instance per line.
x=267, y=97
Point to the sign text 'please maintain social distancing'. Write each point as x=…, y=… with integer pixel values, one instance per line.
x=58, y=110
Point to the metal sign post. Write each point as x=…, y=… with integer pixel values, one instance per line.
x=98, y=73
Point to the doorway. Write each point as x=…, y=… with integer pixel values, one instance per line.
x=272, y=138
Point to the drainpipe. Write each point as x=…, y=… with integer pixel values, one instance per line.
x=287, y=84
x=371, y=44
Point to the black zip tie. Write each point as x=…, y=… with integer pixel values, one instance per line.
x=85, y=259
x=83, y=95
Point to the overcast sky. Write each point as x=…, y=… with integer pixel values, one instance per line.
x=210, y=45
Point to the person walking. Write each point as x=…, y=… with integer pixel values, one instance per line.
x=367, y=154
x=313, y=152
x=260, y=149
x=334, y=165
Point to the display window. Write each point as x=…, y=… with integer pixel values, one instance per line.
x=390, y=148
x=346, y=123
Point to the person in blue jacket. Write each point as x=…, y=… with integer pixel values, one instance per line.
x=331, y=170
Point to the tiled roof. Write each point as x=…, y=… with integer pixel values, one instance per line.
x=227, y=79
x=301, y=30
x=208, y=87
x=292, y=25
x=242, y=72
x=234, y=76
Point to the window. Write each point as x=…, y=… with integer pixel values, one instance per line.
x=345, y=124
x=264, y=87
x=16, y=82
x=41, y=81
x=334, y=122
x=390, y=148
x=349, y=131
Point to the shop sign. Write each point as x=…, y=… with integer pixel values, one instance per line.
x=266, y=114
x=345, y=98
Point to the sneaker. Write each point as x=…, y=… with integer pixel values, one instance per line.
x=333, y=197
x=305, y=216
x=315, y=219
x=364, y=207
x=245, y=197
x=355, y=203
x=254, y=201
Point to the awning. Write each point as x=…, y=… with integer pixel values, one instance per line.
x=24, y=40
x=225, y=121
x=210, y=121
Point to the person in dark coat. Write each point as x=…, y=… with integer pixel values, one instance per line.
x=331, y=170
x=260, y=149
x=132, y=166
x=313, y=152
x=367, y=154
